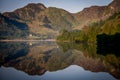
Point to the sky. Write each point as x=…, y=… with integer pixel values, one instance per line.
x=72, y=6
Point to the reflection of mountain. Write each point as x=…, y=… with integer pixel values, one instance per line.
x=11, y=51
x=73, y=72
x=29, y=61
x=49, y=57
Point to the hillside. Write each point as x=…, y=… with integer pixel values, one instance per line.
x=11, y=29
x=96, y=13
x=110, y=26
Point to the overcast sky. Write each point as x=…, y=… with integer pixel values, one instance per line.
x=72, y=6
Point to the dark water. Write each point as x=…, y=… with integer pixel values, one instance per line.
x=56, y=61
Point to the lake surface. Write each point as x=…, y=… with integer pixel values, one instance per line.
x=47, y=60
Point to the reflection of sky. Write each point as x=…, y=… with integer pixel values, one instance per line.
x=69, y=5
x=73, y=72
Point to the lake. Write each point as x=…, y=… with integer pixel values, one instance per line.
x=48, y=60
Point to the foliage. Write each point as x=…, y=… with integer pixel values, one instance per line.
x=112, y=25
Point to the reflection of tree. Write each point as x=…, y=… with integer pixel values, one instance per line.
x=110, y=61
x=87, y=49
x=108, y=44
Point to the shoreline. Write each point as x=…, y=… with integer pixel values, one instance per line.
x=21, y=40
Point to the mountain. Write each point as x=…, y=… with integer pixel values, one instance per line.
x=49, y=17
x=96, y=13
x=38, y=25
x=43, y=22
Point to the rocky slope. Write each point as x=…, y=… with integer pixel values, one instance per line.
x=12, y=29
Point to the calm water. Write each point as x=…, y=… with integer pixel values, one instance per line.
x=56, y=61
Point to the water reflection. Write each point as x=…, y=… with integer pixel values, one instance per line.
x=72, y=72
x=45, y=59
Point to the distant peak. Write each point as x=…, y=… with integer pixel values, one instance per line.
x=40, y=5
x=115, y=2
x=115, y=5
x=33, y=4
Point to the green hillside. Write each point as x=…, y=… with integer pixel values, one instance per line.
x=110, y=26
